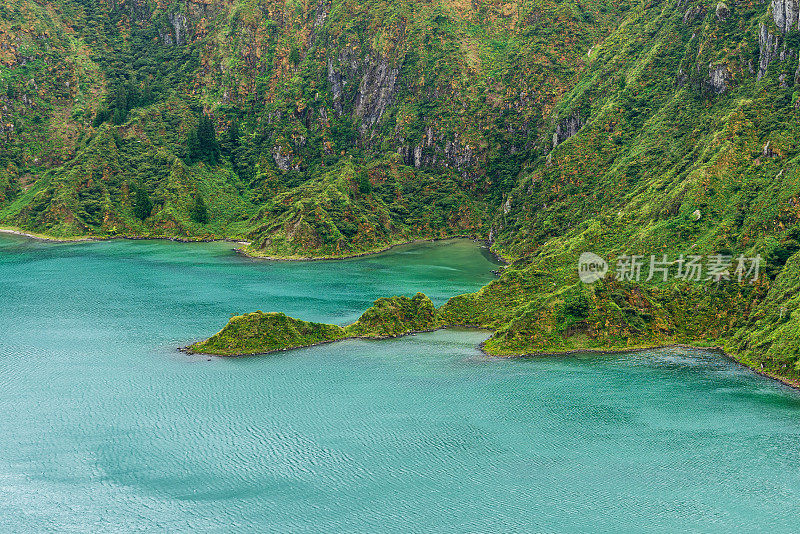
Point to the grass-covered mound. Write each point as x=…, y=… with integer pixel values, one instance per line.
x=393, y=316
x=259, y=332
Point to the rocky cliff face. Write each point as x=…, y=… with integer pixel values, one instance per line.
x=433, y=151
x=375, y=92
x=785, y=15
x=783, y=19
x=176, y=35
x=362, y=87
x=768, y=44
x=718, y=77
x=566, y=128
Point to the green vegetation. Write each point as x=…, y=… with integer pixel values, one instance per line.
x=550, y=128
x=198, y=211
x=259, y=332
x=395, y=316
x=202, y=142
x=142, y=205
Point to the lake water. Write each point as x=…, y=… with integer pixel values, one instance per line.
x=105, y=427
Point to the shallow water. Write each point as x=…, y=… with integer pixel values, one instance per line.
x=105, y=427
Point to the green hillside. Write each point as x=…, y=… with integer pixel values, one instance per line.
x=335, y=127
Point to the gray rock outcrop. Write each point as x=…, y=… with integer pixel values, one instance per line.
x=375, y=92
x=566, y=128
x=722, y=12
x=376, y=81
x=786, y=15
x=767, y=49
x=179, y=31
x=718, y=76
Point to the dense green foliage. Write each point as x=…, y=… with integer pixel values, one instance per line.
x=257, y=333
x=202, y=142
x=394, y=316
x=198, y=210
x=142, y=205
x=332, y=128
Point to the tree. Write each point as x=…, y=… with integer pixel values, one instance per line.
x=147, y=97
x=102, y=115
x=120, y=106
x=233, y=134
x=192, y=147
x=198, y=210
x=142, y=205
x=364, y=185
x=202, y=142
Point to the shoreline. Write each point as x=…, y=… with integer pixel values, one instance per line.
x=42, y=237
x=787, y=382
x=373, y=252
x=240, y=251
x=98, y=239
x=187, y=350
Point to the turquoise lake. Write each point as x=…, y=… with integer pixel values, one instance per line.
x=105, y=427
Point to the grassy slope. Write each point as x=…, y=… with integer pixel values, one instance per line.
x=658, y=150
